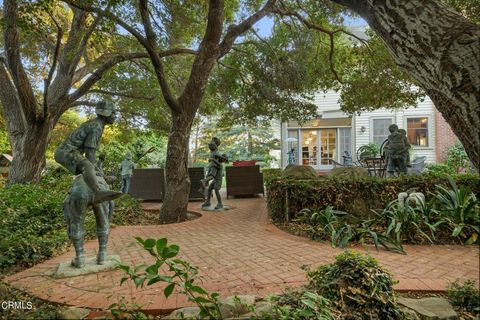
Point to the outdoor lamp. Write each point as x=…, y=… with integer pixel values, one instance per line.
x=363, y=129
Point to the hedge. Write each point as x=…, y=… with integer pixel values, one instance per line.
x=357, y=196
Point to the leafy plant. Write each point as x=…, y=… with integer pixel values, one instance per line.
x=357, y=286
x=457, y=157
x=460, y=208
x=330, y=223
x=369, y=150
x=405, y=221
x=181, y=274
x=124, y=310
x=300, y=305
x=465, y=296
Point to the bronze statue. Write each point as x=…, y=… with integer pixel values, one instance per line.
x=126, y=171
x=396, y=151
x=78, y=154
x=75, y=206
x=213, y=179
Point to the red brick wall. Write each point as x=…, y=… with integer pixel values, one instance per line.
x=444, y=137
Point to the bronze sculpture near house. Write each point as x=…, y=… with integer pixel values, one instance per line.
x=213, y=179
x=396, y=151
x=78, y=154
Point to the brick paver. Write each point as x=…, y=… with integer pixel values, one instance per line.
x=237, y=252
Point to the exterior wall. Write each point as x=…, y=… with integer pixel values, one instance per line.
x=445, y=138
x=425, y=108
x=440, y=135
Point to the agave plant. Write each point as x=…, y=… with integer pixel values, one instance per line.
x=460, y=209
x=404, y=220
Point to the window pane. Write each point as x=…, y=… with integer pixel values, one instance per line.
x=344, y=143
x=380, y=130
x=417, y=131
x=292, y=147
x=309, y=147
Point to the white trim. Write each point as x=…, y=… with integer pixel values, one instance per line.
x=314, y=128
x=370, y=121
x=431, y=143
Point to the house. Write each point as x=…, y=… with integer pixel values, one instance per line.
x=326, y=137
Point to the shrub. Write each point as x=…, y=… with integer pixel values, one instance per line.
x=457, y=157
x=465, y=296
x=270, y=175
x=32, y=225
x=406, y=221
x=439, y=170
x=460, y=208
x=303, y=304
x=358, y=196
x=358, y=287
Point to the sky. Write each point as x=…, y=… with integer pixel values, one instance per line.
x=265, y=25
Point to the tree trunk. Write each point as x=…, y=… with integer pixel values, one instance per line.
x=177, y=181
x=29, y=153
x=441, y=50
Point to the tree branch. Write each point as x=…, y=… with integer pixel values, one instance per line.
x=121, y=57
x=14, y=61
x=48, y=80
x=330, y=33
x=121, y=94
x=156, y=61
x=79, y=103
x=208, y=53
x=110, y=15
x=236, y=30
x=12, y=110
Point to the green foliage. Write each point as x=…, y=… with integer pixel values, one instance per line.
x=465, y=296
x=271, y=174
x=357, y=286
x=461, y=209
x=457, y=157
x=32, y=223
x=439, y=170
x=238, y=141
x=373, y=81
x=404, y=221
x=370, y=150
x=125, y=310
x=451, y=213
x=303, y=304
x=40, y=309
x=181, y=275
x=357, y=196
x=334, y=225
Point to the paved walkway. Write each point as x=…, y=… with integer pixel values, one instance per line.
x=237, y=252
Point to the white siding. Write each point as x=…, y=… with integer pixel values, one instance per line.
x=329, y=101
x=425, y=108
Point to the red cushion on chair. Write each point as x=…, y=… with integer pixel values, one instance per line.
x=244, y=163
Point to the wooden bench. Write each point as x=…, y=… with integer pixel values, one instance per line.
x=244, y=180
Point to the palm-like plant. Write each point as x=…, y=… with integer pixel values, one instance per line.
x=460, y=209
x=406, y=220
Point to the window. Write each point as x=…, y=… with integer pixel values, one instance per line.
x=344, y=143
x=380, y=130
x=417, y=131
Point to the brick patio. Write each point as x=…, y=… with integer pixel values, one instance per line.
x=237, y=252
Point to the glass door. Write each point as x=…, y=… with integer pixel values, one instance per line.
x=328, y=148
x=309, y=147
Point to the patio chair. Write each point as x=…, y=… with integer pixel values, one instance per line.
x=418, y=165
